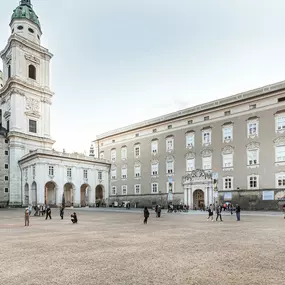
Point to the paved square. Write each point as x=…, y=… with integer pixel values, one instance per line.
x=116, y=248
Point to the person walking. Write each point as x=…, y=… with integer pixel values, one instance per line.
x=211, y=213
x=74, y=219
x=61, y=212
x=27, y=217
x=238, y=212
x=158, y=211
x=284, y=210
x=146, y=215
x=48, y=212
x=219, y=213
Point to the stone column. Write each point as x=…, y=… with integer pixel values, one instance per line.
x=206, y=196
x=190, y=197
x=185, y=195
x=76, y=199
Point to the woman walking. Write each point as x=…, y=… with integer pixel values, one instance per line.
x=146, y=215
x=211, y=213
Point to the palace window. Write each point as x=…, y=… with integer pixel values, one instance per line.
x=85, y=173
x=124, y=189
x=206, y=137
x=252, y=157
x=154, y=169
x=137, y=150
x=137, y=188
x=154, y=187
x=32, y=72
x=190, y=164
x=102, y=155
x=227, y=160
x=169, y=144
x=280, y=180
x=280, y=153
x=68, y=172
x=8, y=126
x=6, y=166
x=100, y=175
x=228, y=183
x=253, y=181
x=252, y=128
x=124, y=172
x=207, y=162
x=32, y=126
x=170, y=166
x=280, y=122
x=227, y=133
x=137, y=171
x=113, y=154
x=114, y=190
x=190, y=140
x=6, y=190
x=9, y=71
x=114, y=173
x=124, y=152
x=34, y=170
x=51, y=170
x=6, y=178
x=154, y=147
x=6, y=152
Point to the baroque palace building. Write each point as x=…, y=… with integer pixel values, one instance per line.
x=31, y=171
x=231, y=149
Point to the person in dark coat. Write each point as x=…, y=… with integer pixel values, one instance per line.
x=61, y=212
x=48, y=212
x=74, y=219
x=219, y=213
x=238, y=212
x=146, y=215
x=158, y=211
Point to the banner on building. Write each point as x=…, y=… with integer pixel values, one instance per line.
x=170, y=197
x=268, y=195
x=228, y=196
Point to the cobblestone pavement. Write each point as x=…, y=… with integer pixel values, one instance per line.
x=108, y=247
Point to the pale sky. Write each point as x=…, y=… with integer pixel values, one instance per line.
x=118, y=62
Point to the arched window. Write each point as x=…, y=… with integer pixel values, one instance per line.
x=9, y=71
x=32, y=72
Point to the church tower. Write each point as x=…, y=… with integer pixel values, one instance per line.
x=25, y=95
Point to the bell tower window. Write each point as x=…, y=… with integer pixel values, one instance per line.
x=32, y=72
x=9, y=71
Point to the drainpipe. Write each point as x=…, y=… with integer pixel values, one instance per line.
x=21, y=183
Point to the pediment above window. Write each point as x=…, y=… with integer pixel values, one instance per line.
x=7, y=114
x=34, y=114
x=136, y=144
x=190, y=132
x=254, y=118
x=279, y=141
x=124, y=166
x=280, y=112
x=137, y=163
x=226, y=124
x=206, y=152
x=155, y=161
x=170, y=158
x=155, y=139
x=253, y=145
x=227, y=149
x=190, y=155
x=169, y=136
x=206, y=128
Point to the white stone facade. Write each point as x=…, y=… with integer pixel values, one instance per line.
x=25, y=100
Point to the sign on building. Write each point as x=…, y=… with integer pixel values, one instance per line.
x=228, y=196
x=268, y=195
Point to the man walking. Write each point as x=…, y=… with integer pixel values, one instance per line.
x=219, y=213
x=27, y=217
x=238, y=212
x=61, y=212
x=146, y=215
x=48, y=212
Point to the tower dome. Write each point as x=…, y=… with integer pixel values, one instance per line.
x=25, y=12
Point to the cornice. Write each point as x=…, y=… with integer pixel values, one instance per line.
x=19, y=86
x=25, y=136
x=16, y=39
x=200, y=109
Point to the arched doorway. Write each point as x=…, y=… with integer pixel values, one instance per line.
x=34, y=193
x=69, y=194
x=99, y=195
x=50, y=193
x=26, y=193
x=84, y=195
x=198, y=199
